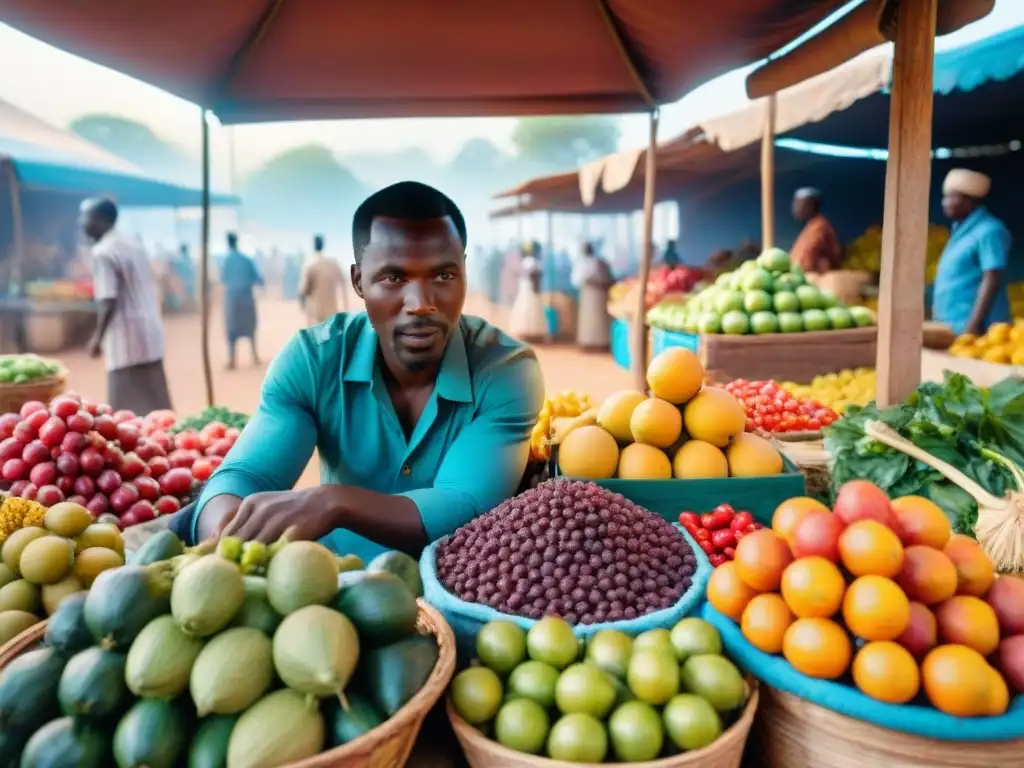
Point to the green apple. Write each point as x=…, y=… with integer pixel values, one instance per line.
x=757, y=301
x=862, y=316
x=774, y=260
x=790, y=322
x=764, y=322
x=735, y=323
x=756, y=279
x=785, y=301
x=840, y=317
x=809, y=297
x=816, y=320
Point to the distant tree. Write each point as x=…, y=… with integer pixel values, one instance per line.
x=138, y=144
x=477, y=156
x=563, y=143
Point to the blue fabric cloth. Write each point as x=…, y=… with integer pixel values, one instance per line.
x=239, y=276
x=324, y=390
x=978, y=244
x=918, y=717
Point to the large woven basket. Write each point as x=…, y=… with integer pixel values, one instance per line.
x=791, y=732
x=388, y=745
x=13, y=396
x=725, y=752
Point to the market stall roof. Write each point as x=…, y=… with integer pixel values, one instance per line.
x=265, y=60
x=48, y=158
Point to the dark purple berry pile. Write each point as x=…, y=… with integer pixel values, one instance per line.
x=571, y=549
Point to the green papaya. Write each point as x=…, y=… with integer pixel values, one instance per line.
x=256, y=611
x=380, y=606
x=232, y=672
x=92, y=685
x=11, y=744
x=28, y=689
x=64, y=744
x=66, y=630
x=207, y=595
x=152, y=734
x=124, y=600
x=210, y=744
x=394, y=673
x=283, y=727
x=403, y=566
x=345, y=725
x=160, y=660
x=159, y=547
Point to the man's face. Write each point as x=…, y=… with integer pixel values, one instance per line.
x=802, y=207
x=412, y=279
x=92, y=225
x=956, y=206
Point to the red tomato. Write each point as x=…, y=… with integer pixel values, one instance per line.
x=723, y=538
x=741, y=521
x=716, y=559
x=708, y=547
x=689, y=517
x=202, y=469
x=188, y=441
x=729, y=552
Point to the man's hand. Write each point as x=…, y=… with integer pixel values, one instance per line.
x=265, y=516
x=95, y=346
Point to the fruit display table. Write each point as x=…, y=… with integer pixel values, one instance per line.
x=981, y=372
x=43, y=326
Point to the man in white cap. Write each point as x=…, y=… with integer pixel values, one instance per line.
x=970, y=292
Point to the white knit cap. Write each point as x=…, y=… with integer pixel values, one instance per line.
x=966, y=182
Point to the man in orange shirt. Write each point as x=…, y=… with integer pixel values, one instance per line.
x=817, y=249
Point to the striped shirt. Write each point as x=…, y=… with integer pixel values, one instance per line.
x=122, y=271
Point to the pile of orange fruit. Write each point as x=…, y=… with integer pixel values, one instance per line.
x=883, y=592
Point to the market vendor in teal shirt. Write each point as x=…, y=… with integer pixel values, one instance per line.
x=421, y=415
x=970, y=286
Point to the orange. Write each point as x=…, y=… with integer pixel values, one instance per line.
x=792, y=511
x=886, y=671
x=876, y=609
x=727, y=592
x=868, y=548
x=922, y=521
x=968, y=620
x=813, y=588
x=817, y=648
x=974, y=570
x=760, y=559
x=958, y=681
x=765, y=621
x=998, y=693
x=927, y=575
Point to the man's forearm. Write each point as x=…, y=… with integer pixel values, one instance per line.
x=214, y=513
x=391, y=521
x=990, y=282
x=105, y=315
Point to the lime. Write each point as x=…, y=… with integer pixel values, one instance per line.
x=785, y=301
x=501, y=645
x=789, y=281
x=709, y=322
x=764, y=322
x=609, y=649
x=656, y=639
x=522, y=725
x=862, y=316
x=692, y=637
x=774, y=260
x=735, y=323
x=828, y=299
x=715, y=679
x=728, y=301
x=476, y=694
x=578, y=738
x=690, y=722
x=551, y=640
x=534, y=680
x=653, y=675
x=809, y=297
x=840, y=318
x=757, y=301
x=816, y=320
x=586, y=689
x=635, y=732
x=756, y=279
x=790, y=322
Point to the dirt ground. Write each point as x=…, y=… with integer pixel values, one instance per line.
x=564, y=367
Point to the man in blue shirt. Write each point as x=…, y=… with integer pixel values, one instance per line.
x=970, y=293
x=421, y=416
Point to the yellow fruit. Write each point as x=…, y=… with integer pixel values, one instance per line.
x=656, y=422
x=675, y=375
x=696, y=458
x=714, y=416
x=615, y=413
x=752, y=456
x=588, y=452
x=639, y=461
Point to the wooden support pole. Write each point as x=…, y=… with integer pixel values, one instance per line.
x=638, y=362
x=768, y=176
x=905, y=221
x=204, y=263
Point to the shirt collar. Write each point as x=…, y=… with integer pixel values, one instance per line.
x=974, y=216
x=453, y=380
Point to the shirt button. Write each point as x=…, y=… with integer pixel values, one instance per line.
x=406, y=470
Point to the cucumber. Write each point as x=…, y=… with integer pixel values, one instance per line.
x=28, y=689
x=66, y=630
x=210, y=744
x=124, y=600
x=93, y=685
x=395, y=673
x=152, y=734
x=64, y=744
x=157, y=548
x=403, y=566
x=348, y=725
x=381, y=607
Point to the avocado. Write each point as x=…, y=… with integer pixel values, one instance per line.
x=345, y=725
x=403, y=566
x=28, y=689
x=380, y=606
x=157, y=548
x=152, y=734
x=124, y=600
x=64, y=743
x=66, y=630
x=394, y=673
x=210, y=744
x=93, y=685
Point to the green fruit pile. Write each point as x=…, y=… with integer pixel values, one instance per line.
x=41, y=565
x=544, y=692
x=765, y=295
x=187, y=660
x=21, y=369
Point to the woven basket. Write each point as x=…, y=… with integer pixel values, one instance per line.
x=386, y=746
x=791, y=732
x=13, y=396
x=725, y=752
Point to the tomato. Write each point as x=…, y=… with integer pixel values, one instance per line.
x=716, y=559
x=188, y=441
x=708, y=547
x=202, y=469
x=689, y=517
x=723, y=538
x=702, y=534
x=729, y=552
x=741, y=521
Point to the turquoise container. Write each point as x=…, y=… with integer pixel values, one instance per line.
x=620, y=342
x=662, y=340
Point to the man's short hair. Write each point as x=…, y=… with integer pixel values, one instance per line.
x=104, y=208
x=318, y=242
x=406, y=201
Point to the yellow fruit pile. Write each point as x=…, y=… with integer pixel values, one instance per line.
x=567, y=405
x=681, y=429
x=865, y=253
x=1002, y=343
x=853, y=386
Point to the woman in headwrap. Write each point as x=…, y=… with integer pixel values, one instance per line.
x=970, y=292
x=593, y=329
x=528, y=321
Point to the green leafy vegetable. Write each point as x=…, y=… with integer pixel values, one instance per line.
x=225, y=416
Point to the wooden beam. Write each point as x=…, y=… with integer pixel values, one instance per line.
x=638, y=364
x=204, y=263
x=768, y=175
x=905, y=221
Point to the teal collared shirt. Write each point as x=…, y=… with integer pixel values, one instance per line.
x=466, y=454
